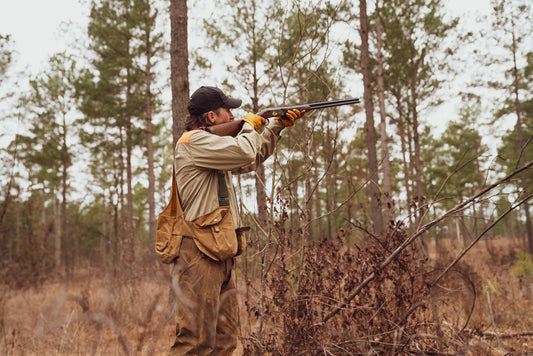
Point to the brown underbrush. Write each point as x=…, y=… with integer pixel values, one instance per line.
x=315, y=303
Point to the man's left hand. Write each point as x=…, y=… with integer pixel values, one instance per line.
x=290, y=117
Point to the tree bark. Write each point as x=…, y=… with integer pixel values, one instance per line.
x=405, y=165
x=130, y=245
x=149, y=146
x=416, y=153
x=383, y=117
x=57, y=236
x=179, y=81
x=308, y=206
x=179, y=66
x=319, y=225
x=64, y=225
x=260, y=178
x=104, y=239
x=67, y=251
x=419, y=197
x=377, y=218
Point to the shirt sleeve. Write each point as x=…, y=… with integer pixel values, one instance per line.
x=240, y=154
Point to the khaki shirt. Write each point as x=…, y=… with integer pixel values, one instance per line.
x=199, y=156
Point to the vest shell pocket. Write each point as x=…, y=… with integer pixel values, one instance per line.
x=214, y=234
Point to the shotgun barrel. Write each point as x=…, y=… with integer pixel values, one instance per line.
x=232, y=128
x=281, y=111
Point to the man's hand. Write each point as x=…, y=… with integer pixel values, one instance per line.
x=290, y=117
x=255, y=120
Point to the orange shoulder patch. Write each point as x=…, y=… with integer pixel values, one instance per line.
x=186, y=136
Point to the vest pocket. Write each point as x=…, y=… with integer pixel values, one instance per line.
x=214, y=234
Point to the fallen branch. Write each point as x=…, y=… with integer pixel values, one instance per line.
x=508, y=335
x=461, y=206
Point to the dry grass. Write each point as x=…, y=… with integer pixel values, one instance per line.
x=127, y=313
x=486, y=273
x=97, y=315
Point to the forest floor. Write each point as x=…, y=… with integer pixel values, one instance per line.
x=118, y=313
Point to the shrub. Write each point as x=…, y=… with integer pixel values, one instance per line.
x=523, y=267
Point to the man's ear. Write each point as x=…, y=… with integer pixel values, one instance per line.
x=211, y=116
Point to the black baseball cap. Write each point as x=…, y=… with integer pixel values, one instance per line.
x=207, y=98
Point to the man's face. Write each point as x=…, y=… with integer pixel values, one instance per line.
x=222, y=117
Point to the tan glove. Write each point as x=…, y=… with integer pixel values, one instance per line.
x=290, y=117
x=255, y=120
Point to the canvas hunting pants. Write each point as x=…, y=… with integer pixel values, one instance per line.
x=206, y=304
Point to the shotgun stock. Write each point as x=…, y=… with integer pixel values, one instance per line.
x=232, y=128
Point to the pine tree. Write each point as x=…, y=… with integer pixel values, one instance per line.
x=6, y=56
x=304, y=64
x=114, y=101
x=151, y=46
x=454, y=162
x=248, y=37
x=413, y=38
x=47, y=150
x=512, y=28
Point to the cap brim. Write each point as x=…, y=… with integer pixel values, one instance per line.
x=232, y=103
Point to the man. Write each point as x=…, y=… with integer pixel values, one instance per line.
x=203, y=273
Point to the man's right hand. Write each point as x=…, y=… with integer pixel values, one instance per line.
x=255, y=120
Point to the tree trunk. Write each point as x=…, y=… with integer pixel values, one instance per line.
x=333, y=228
x=129, y=177
x=260, y=179
x=458, y=231
x=64, y=227
x=129, y=198
x=67, y=250
x=405, y=165
x=479, y=214
x=179, y=81
x=121, y=222
x=308, y=206
x=319, y=225
x=41, y=235
x=383, y=123
x=520, y=144
x=57, y=236
x=18, y=224
x=416, y=153
x=179, y=66
x=104, y=239
x=369, y=123
x=150, y=149
x=419, y=197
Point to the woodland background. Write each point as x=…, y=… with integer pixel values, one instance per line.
x=366, y=222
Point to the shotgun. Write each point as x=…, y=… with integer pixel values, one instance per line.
x=232, y=128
